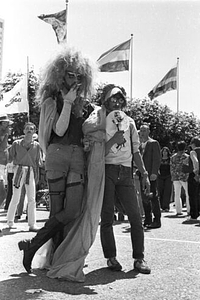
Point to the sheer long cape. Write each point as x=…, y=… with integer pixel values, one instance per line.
x=69, y=258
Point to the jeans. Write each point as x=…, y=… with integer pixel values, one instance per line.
x=65, y=175
x=118, y=179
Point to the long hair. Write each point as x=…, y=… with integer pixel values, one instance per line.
x=168, y=151
x=51, y=78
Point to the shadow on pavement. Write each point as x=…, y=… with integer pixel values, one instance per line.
x=175, y=216
x=190, y=222
x=7, y=231
x=105, y=276
x=25, y=286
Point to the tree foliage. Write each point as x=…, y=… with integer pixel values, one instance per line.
x=166, y=126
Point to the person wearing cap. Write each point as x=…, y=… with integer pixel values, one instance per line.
x=4, y=133
x=122, y=145
x=25, y=154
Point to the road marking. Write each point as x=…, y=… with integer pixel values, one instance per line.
x=163, y=240
x=172, y=240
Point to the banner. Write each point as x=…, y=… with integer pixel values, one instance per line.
x=58, y=22
x=16, y=100
x=115, y=59
x=168, y=83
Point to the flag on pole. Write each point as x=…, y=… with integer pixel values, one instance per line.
x=16, y=100
x=115, y=59
x=58, y=22
x=168, y=83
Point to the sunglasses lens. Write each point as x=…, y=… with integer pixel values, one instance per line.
x=71, y=75
x=121, y=100
x=79, y=77
x=117, y=100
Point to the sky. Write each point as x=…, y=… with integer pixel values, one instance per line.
x=162, y=32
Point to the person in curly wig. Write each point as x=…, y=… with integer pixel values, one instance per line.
x=65, y=85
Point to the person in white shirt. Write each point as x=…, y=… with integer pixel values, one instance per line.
x=122, y=145
x=25, y=154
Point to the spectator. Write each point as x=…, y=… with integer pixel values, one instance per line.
x=26, y=156
x=179, y=178
x=193, y=180
x=4, y=133
x=164, y=180
x=150, y=150
x=10, y=175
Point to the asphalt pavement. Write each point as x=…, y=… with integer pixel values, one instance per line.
x=172, y=252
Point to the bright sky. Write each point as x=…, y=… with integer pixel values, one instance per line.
x=162, y=31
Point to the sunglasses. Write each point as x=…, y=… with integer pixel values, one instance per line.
x=117, y=99
x=72, y=75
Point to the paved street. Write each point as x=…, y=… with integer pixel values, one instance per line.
x=173, y=252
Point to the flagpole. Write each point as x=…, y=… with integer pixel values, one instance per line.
x=131, y=67
x=177, y=85
x=66, y=1
x=27, y=84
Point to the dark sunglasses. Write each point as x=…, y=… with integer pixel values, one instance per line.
x=72, y=75
x=115, y=99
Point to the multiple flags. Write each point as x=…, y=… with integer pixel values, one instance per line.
x=115, y=59
x=168, y=83
x=16, y=100
x=58, y=22
x=118, y=59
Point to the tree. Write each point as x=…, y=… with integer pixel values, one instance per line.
x=166, y=126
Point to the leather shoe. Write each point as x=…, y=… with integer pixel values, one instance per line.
x=154, y=225
x=28, y=256
x=147, y=223
x=141, y=266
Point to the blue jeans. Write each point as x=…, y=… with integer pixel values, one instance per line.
x=118, y=179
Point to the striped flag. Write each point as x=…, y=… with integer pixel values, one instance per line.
x=168, y=83
x=16, y=100
x=58, y=22
x=115, y=59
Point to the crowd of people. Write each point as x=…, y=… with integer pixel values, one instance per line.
x=90, y=151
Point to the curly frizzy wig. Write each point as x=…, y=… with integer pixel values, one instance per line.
x=51, y=80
